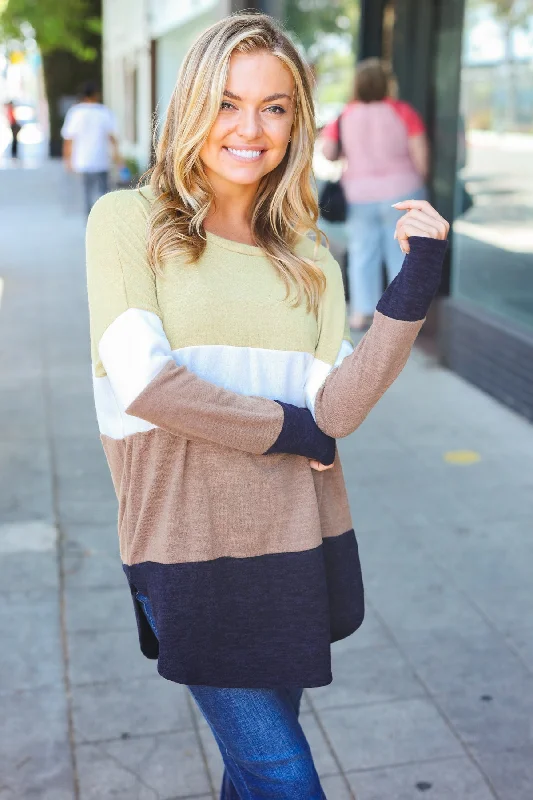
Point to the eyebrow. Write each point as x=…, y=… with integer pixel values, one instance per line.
x=269, y=99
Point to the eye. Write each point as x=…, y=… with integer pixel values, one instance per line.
x=276, y=109
x=226, y=106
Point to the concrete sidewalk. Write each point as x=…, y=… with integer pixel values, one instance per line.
x=432, y=698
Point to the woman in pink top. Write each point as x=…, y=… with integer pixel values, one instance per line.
x=385, y=147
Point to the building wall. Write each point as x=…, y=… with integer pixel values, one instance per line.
x=126, y=56
x=168, y=15
x=131, y=29
x=171, y=49
x=488, y=324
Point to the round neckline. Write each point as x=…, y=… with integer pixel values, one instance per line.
x=230, y=244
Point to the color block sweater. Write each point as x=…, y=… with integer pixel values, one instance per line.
x=212, y=393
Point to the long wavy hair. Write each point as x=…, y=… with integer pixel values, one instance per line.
x=285, y=207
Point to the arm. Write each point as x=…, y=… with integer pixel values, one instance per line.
x=67, y=152
x=131, y=350
x=330, y=141
x=115, y=149
x=419, y=153
x=349, y=391
x=417, y=141
x=330, y=149
x=113, y=137
x=68, y=132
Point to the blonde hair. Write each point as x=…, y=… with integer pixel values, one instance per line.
x=285, y=206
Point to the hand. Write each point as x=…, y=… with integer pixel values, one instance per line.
x=318, y=466
x=421, y=220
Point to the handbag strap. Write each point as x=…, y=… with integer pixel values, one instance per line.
x=339, y=139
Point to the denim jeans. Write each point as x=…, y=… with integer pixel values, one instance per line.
x=261, y=741
x=371, y=242
x=95, y=184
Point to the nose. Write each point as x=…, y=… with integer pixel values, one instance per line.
x=249, y=126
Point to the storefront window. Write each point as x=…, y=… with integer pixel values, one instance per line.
x=493, y=229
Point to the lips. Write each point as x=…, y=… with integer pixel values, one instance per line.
x=245, y=154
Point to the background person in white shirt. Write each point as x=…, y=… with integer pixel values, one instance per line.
x=89, y=134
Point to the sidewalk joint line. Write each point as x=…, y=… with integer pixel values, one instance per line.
x=433, y=699
x=329, y=744
x=196, y=727
x=52, y=456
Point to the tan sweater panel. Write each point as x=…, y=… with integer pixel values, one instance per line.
x=353, y=389
x=183, y=404
x=182, y=501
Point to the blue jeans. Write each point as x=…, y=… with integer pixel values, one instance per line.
x=95, y=184
x=261, y=741
x=371, y=242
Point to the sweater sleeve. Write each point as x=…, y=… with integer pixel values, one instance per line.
x=130, y=348
x=343, y=395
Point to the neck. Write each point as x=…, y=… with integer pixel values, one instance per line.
x=231, y=212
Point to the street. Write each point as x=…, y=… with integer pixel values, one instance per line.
x=432, y=698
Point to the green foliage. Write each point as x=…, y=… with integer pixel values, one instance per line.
x=335, y=78
x=311, y=19
x=57, y=24
x=327, y=31
x=133, y=165
x=511, y=13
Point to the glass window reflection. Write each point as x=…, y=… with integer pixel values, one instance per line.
x=493, y=229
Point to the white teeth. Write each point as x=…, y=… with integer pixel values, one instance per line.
x=245, y=153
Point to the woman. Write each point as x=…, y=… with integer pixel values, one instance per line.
x=222, y=376
x=15, y=128
x=386, y=151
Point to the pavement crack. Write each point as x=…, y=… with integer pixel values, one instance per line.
x=60, y=545
x=116, y=760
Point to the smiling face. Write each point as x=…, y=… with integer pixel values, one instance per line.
x=251, y=133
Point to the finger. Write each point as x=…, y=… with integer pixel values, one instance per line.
x=421, y=205
x=438, y=231
x=316, y=465
x=434, y=219
x=406, y=229
x=403, y=241
x=412, y=227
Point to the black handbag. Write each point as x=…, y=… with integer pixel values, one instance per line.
x=332, y=200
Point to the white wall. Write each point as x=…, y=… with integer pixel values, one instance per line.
x=166, y=15
x=128, y=29
x=171, y=49
x=126, y=47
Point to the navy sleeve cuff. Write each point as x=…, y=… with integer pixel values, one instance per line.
x=410, y=294
x=301, y=436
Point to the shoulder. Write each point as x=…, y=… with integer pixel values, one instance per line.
x=70, y=117
x=118, y=224
x=124, y=206
x=409, y=115
x=321, y=256
x=106, y=112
